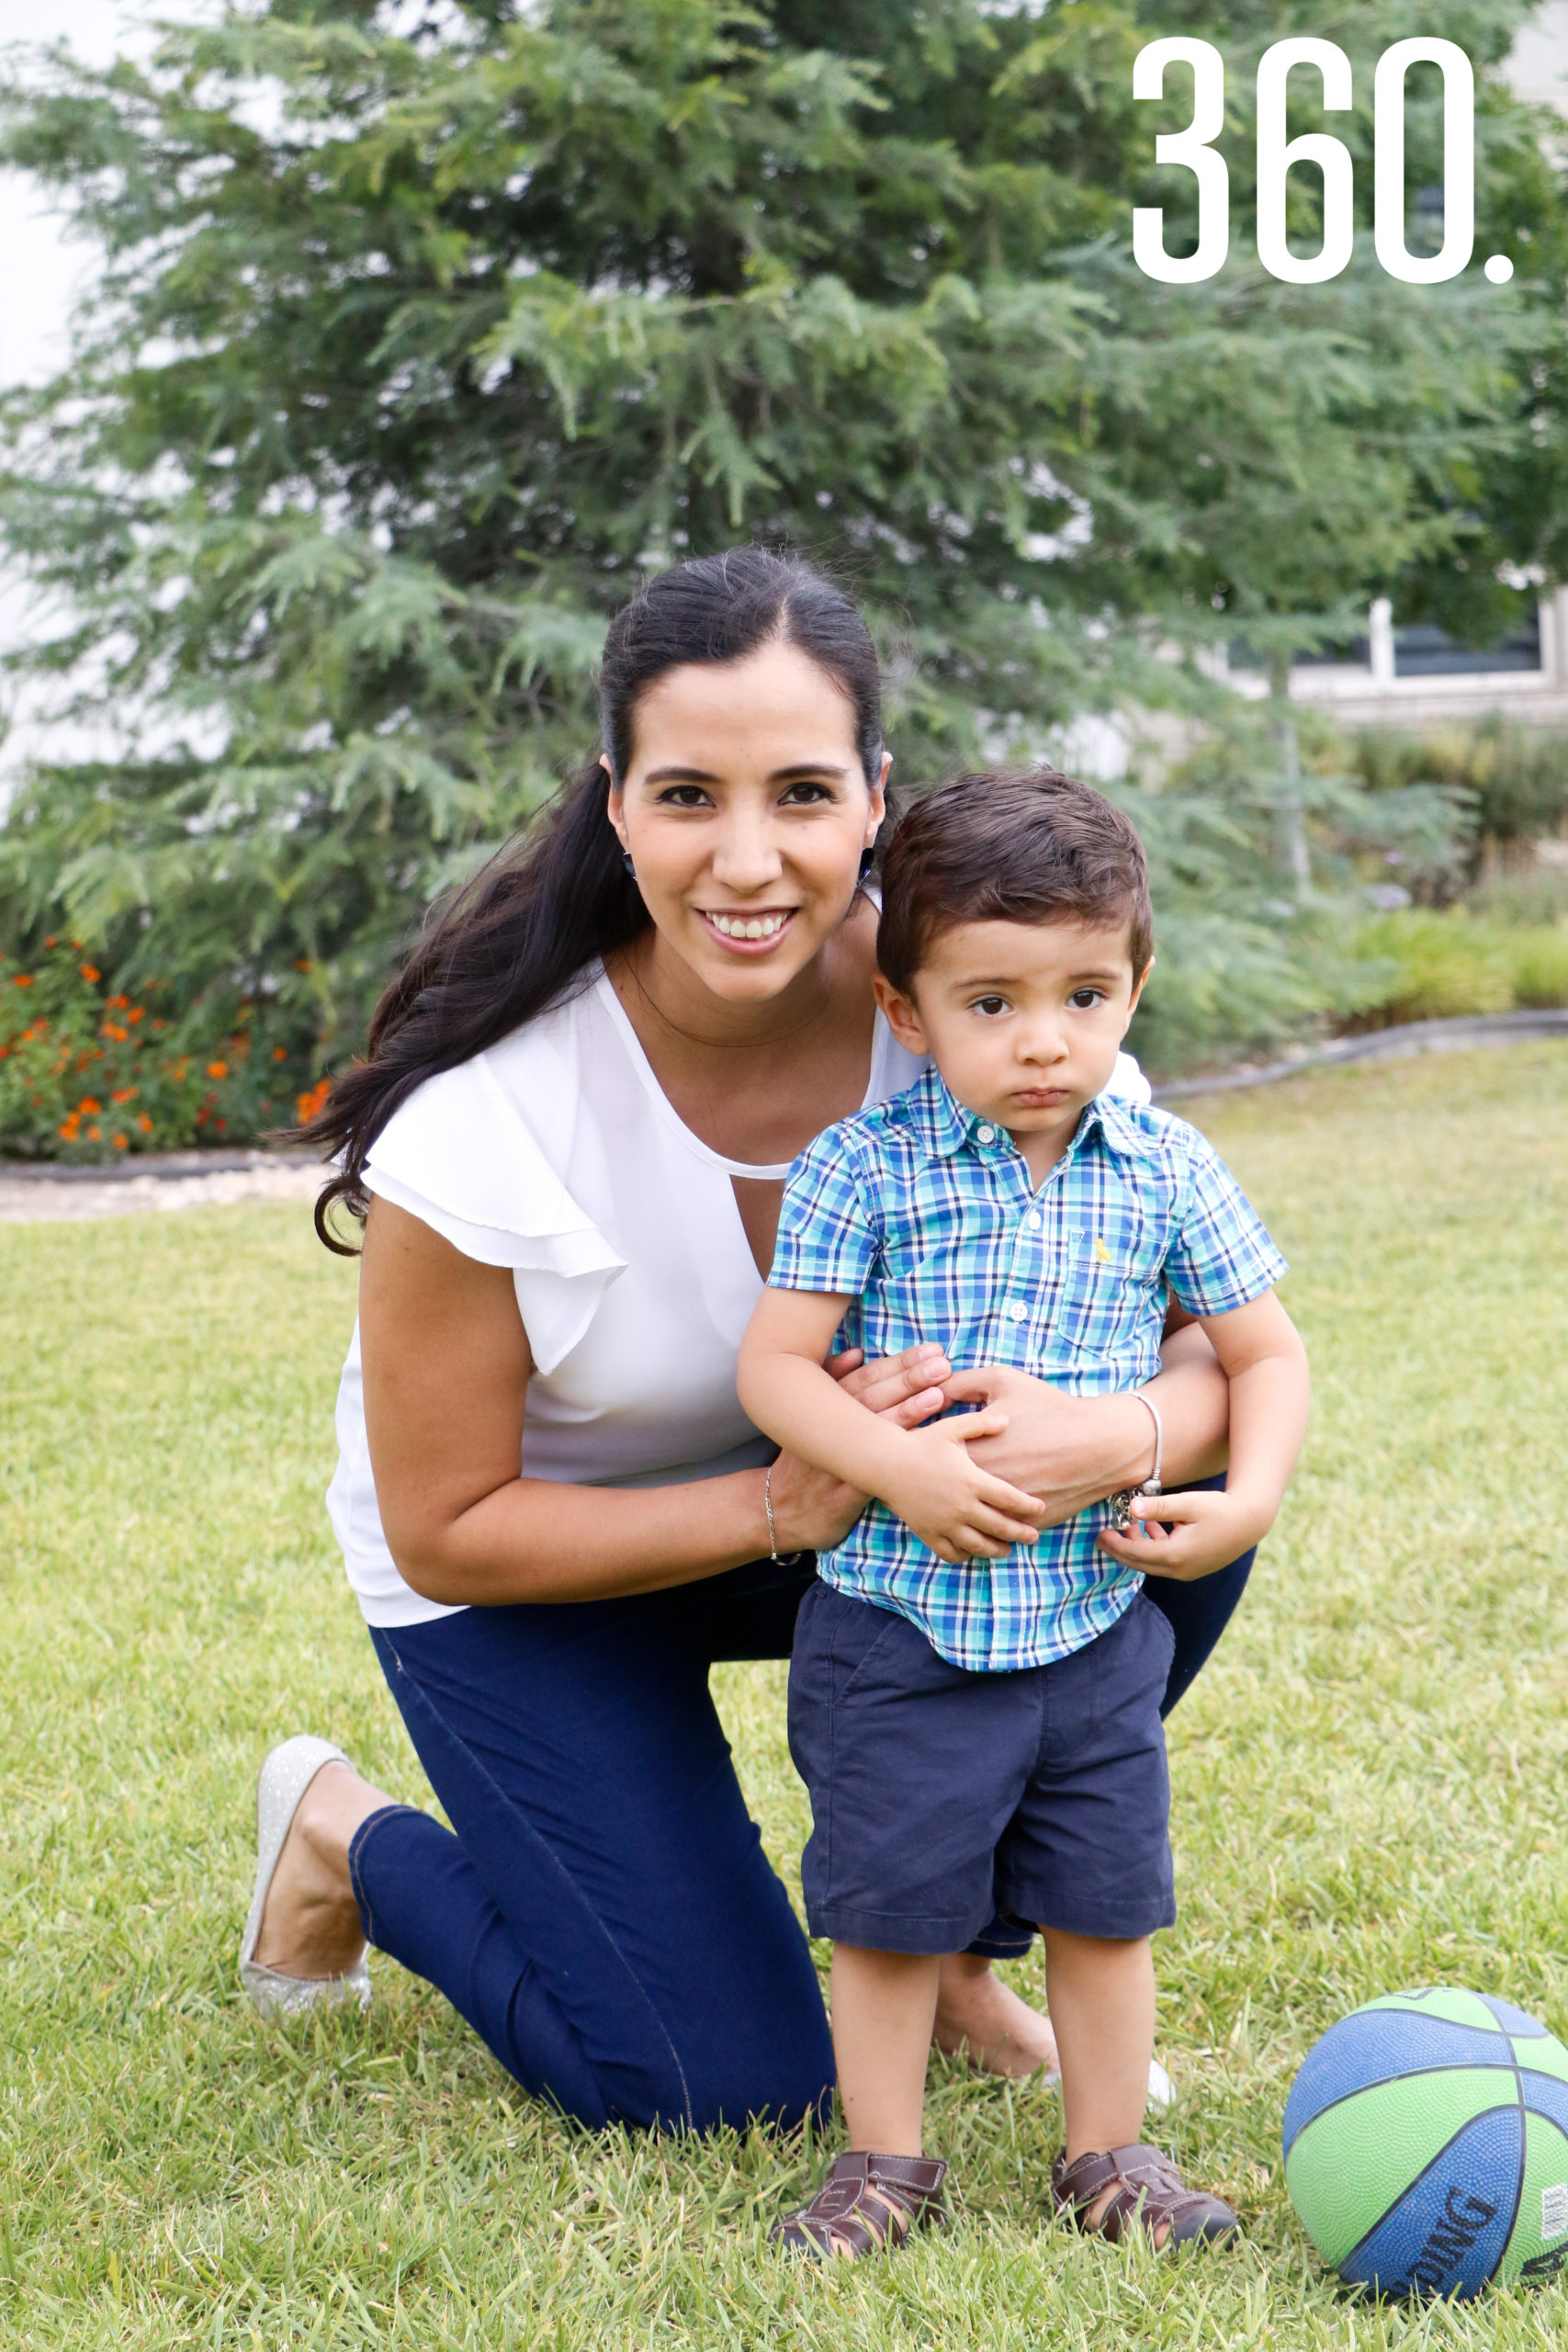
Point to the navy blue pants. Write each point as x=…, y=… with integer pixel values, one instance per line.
x=605, y=1917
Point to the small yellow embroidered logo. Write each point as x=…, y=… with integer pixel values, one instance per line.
x=1100, y=1251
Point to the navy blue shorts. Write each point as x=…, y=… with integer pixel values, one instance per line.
x=941, y=1797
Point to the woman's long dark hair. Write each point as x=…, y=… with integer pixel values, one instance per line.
x=538, y=914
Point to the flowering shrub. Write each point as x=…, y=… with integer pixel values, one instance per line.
x=87, y=1075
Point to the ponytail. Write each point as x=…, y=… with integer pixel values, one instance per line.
x=532, y=922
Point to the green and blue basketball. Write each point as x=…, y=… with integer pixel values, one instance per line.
x=1426, y=2145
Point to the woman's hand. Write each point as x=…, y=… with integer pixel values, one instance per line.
x=910, y=1386
x=1074, y=1451
x=1069, y=1451
x=813, y=1509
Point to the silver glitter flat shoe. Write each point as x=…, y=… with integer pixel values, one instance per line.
x=283, y=1779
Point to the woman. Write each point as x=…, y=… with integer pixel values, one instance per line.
x=568, y=1142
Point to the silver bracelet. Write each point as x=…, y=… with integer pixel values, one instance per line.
x=1151, y=1484
x=780, y=1559
x=1121, y=1503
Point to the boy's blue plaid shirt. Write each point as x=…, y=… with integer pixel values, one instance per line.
x=926, y=1215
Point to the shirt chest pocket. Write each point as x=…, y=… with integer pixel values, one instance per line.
x=1107, y=1283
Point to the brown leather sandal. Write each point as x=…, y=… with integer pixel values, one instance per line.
x=868, y=2204
x=1147, y=2191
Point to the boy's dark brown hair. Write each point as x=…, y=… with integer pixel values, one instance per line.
x=1010, y=845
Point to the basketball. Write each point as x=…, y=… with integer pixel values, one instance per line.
x=1426, y=2145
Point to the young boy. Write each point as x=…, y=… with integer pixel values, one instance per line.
x=973, y=1704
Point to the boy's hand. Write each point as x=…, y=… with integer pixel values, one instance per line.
x=1210, y=1530
x=962, y=1511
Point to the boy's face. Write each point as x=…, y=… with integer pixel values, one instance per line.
x=1024, y=1021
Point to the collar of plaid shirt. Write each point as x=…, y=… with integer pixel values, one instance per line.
x=946, y=1125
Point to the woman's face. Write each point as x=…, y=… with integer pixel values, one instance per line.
x=745, y=811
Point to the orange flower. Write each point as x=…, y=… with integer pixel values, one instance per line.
x=91, y=972
x=95, y=1135
x=123, y=1094
x=117, y=1003
x=71, y=1128
x=21, y=979
x=134, y=1015
x=112, y=1029
x=87, y=1108
x=302, y=963
x=308, y=1105
x=280, y=1053
x=122, y=1143
x=144, y=1123
x=217, y=1069
x=53, y=940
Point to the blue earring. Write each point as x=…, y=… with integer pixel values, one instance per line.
x=627, y=862
x=867, y=860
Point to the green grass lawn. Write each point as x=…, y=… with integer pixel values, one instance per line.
x=1371, y=1785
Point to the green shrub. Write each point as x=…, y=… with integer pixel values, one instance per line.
x=1439, y=965
x=86, y=1076
x=1541, y=966
x=1521, y=897
x=1516, y=777
x=1442, y=965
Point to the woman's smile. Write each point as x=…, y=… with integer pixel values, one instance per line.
x=748, y=929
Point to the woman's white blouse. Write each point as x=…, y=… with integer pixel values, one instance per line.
x=557, y=1154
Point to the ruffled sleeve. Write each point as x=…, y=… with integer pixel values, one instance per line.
x=458, y=1156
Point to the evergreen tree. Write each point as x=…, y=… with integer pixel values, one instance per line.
x=421, y=335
